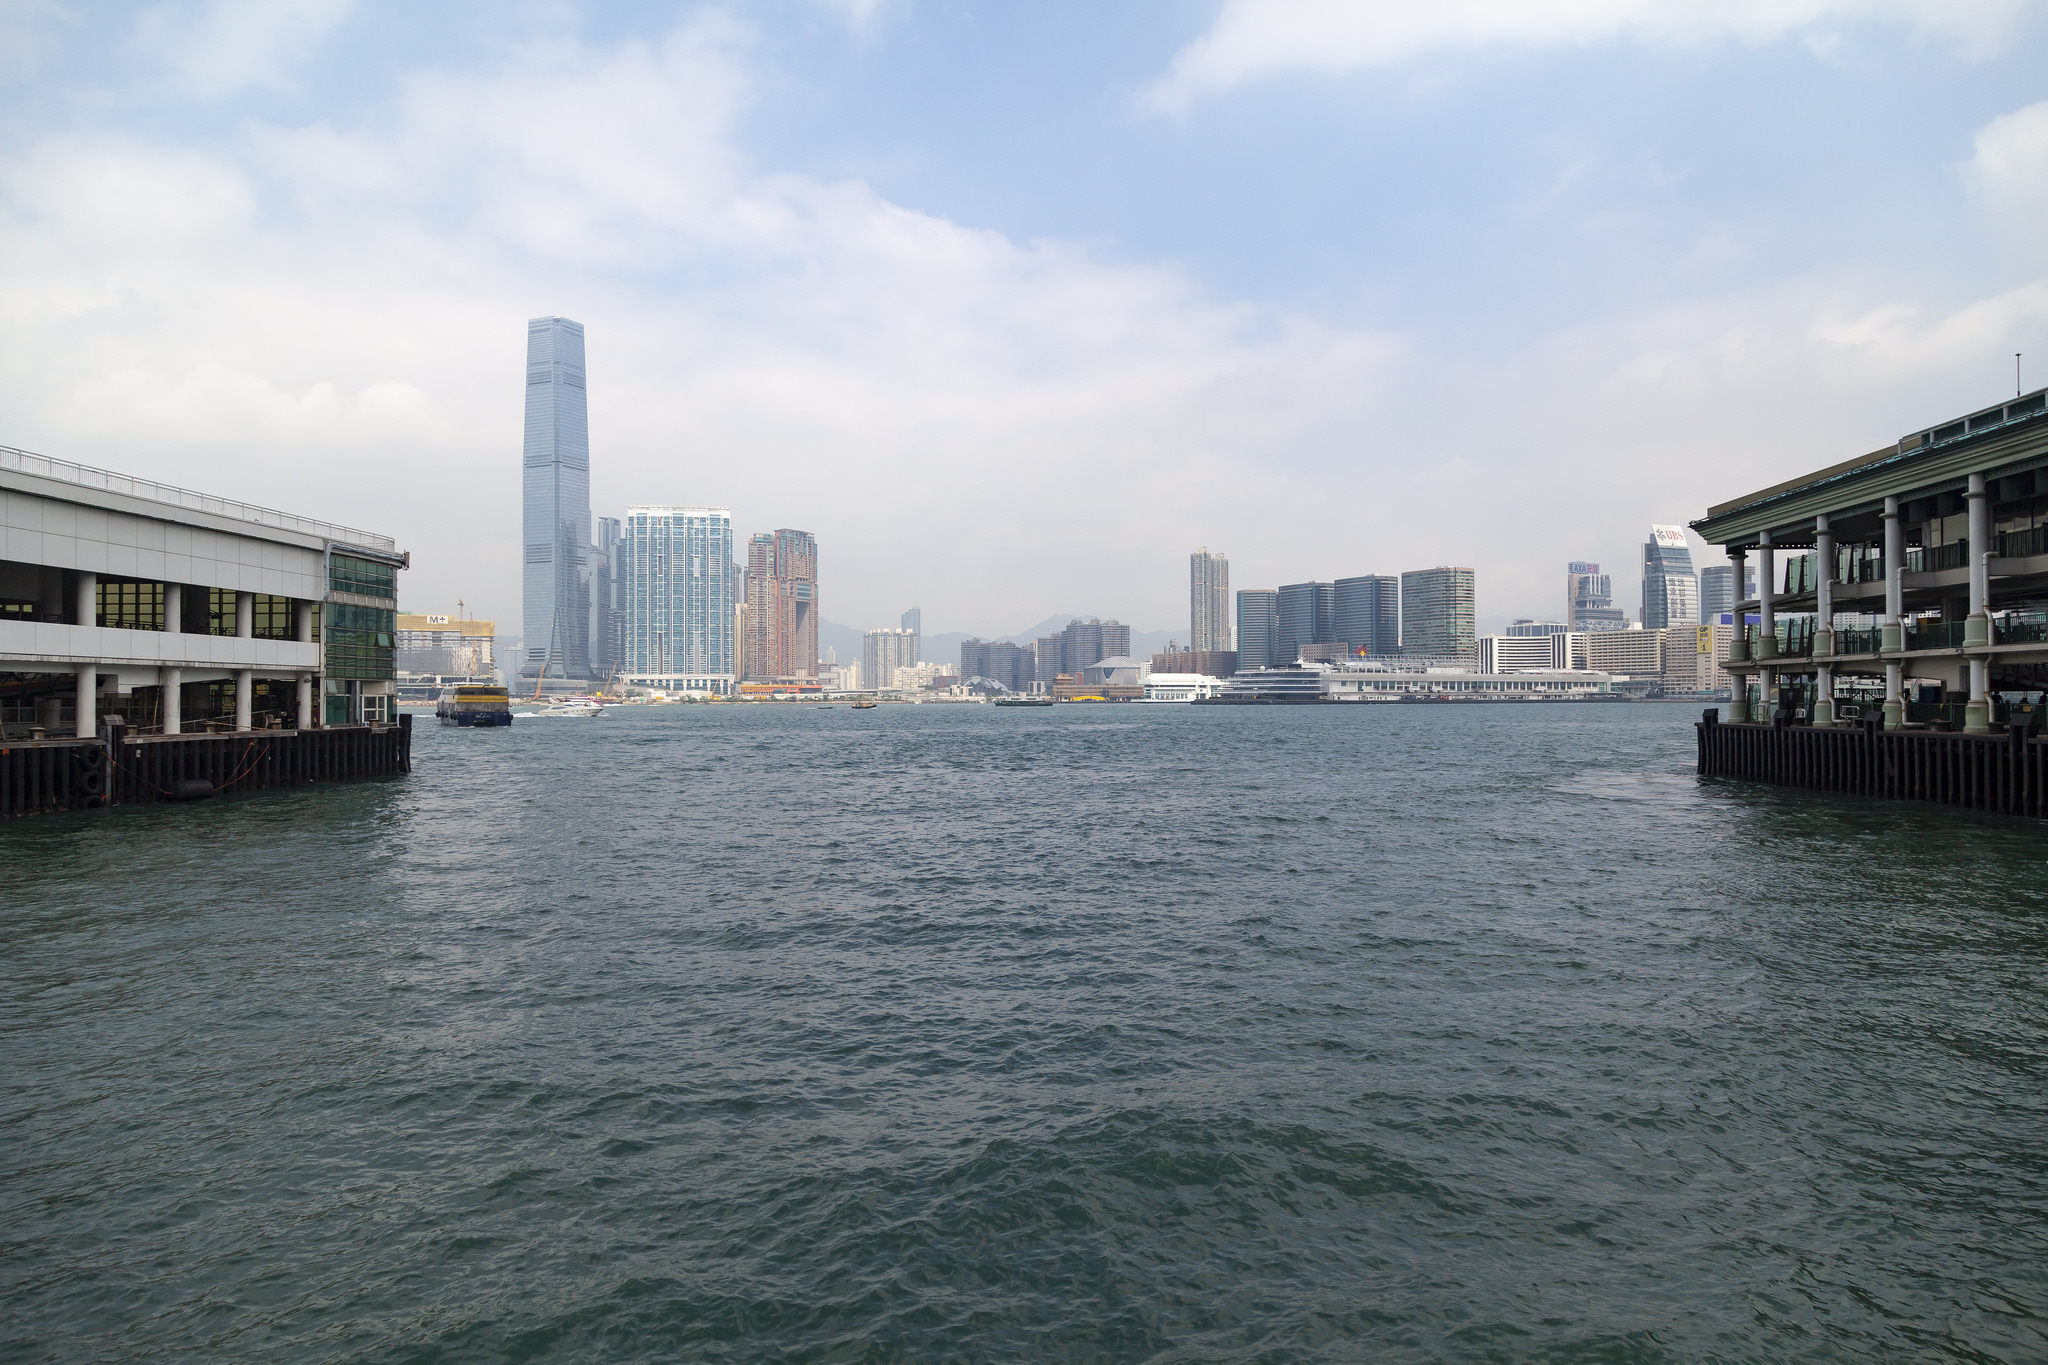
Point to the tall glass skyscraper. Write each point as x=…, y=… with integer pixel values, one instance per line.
x=1369, y=614
x=1671, y=591
x=1717, y=592
x=681, y=589
x=1208, y=601
x=1258, y=628
x=1437, y=614
x=1308, y=616
x=556, y=580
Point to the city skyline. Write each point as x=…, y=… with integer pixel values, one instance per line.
x=333, y=237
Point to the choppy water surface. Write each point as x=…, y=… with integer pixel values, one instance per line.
x=1173, y=1033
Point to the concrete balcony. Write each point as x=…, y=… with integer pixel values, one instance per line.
x=32, y=644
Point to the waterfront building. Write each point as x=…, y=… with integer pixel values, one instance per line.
x=1209, y=601
x=443, y=651
x=178, y=611
x=556, y=584
x=1438, y=614
x=1943, y=535
x=883, y=652
x=680, y=599
x=1524, y=653
x=1589, y=599
x=1635, y=654
x=1207, y=663
x=1181, y=687
x=1351, y=684
x=1368, y=614
x=1308, y=616
x=1528, y=627
x=1717, y=593
x=1000, y=661
x=1258, y=628
x=780, y=631
x=1671, y=592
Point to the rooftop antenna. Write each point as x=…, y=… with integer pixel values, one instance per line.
x=2016, y=374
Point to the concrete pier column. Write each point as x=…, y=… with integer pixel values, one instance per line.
x=88, y=599
x=1892, y=635
x=305, y=700
x=1894, y=696
x=302, y=622
x=1738, y=642
x=174, y=608
x=1977, y=714
x=1824, y=696
x=245, y=697
x=1824, y=588
x=173, y=681
x=88, y=700
x=1766, y=596
x=1977, y=626
x=245, y=614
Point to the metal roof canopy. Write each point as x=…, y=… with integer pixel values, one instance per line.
x=1997, y=442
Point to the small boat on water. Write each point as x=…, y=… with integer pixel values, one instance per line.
x=864, y=706
x=570, y=706
x=1023, y=701
x=474, y=707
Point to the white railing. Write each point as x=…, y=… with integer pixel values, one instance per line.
x=27, y=462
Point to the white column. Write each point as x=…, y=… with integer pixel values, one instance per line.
x=174, y=608
x=245, y=697
x=1977, y=715
x=305, y=701
x=1824, y=627
x=88, y=599
x=1892, y=635
x=88, y=701
x=173, y=681
x=245, y=616
x=302, y=622
x=1977, y=627
x=1766, y=592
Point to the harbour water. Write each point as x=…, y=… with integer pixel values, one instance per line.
x=1099, y=1033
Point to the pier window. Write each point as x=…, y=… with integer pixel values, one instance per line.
x=126, y=604
x=361, y=642
x=346, y=573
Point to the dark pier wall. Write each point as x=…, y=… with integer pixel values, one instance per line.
x=85, y=774
x=2005, y=774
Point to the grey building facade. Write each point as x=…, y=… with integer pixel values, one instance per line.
x=1208, y=601
x=1439, y=613
x=1717, y=592
x=680, y=591
x=1671, y=592
x=1369, y=614
x=556, y=578
x=1308, y=616
x=1258, y=627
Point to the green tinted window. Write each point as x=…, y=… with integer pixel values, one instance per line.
x=346, y=573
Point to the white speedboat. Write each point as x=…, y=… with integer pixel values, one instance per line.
x=571, y=706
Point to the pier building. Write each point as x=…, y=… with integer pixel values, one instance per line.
x=1922, y=568
x=168, y=613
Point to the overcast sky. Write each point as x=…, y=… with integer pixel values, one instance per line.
x=1014, y=305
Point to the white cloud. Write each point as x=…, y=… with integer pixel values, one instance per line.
x=2008, y=176
x=222, y=46
x=1253, y=39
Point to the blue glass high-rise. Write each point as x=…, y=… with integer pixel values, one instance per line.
x=555, y=615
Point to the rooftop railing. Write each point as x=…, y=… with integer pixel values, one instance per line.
x=2019, y=544
x=84, y=476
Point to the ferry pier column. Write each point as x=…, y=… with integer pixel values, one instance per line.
x=174, y=608
x=88, y=599
x=1738, y=646
x=1766, y=595
x=302, y=622
x=305, y=701
x=245, y=696
x=1977, y=626
x=172, y=685
x=245, y=615
x=1824, y=627
x=88, y=687
x=1892, y=634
